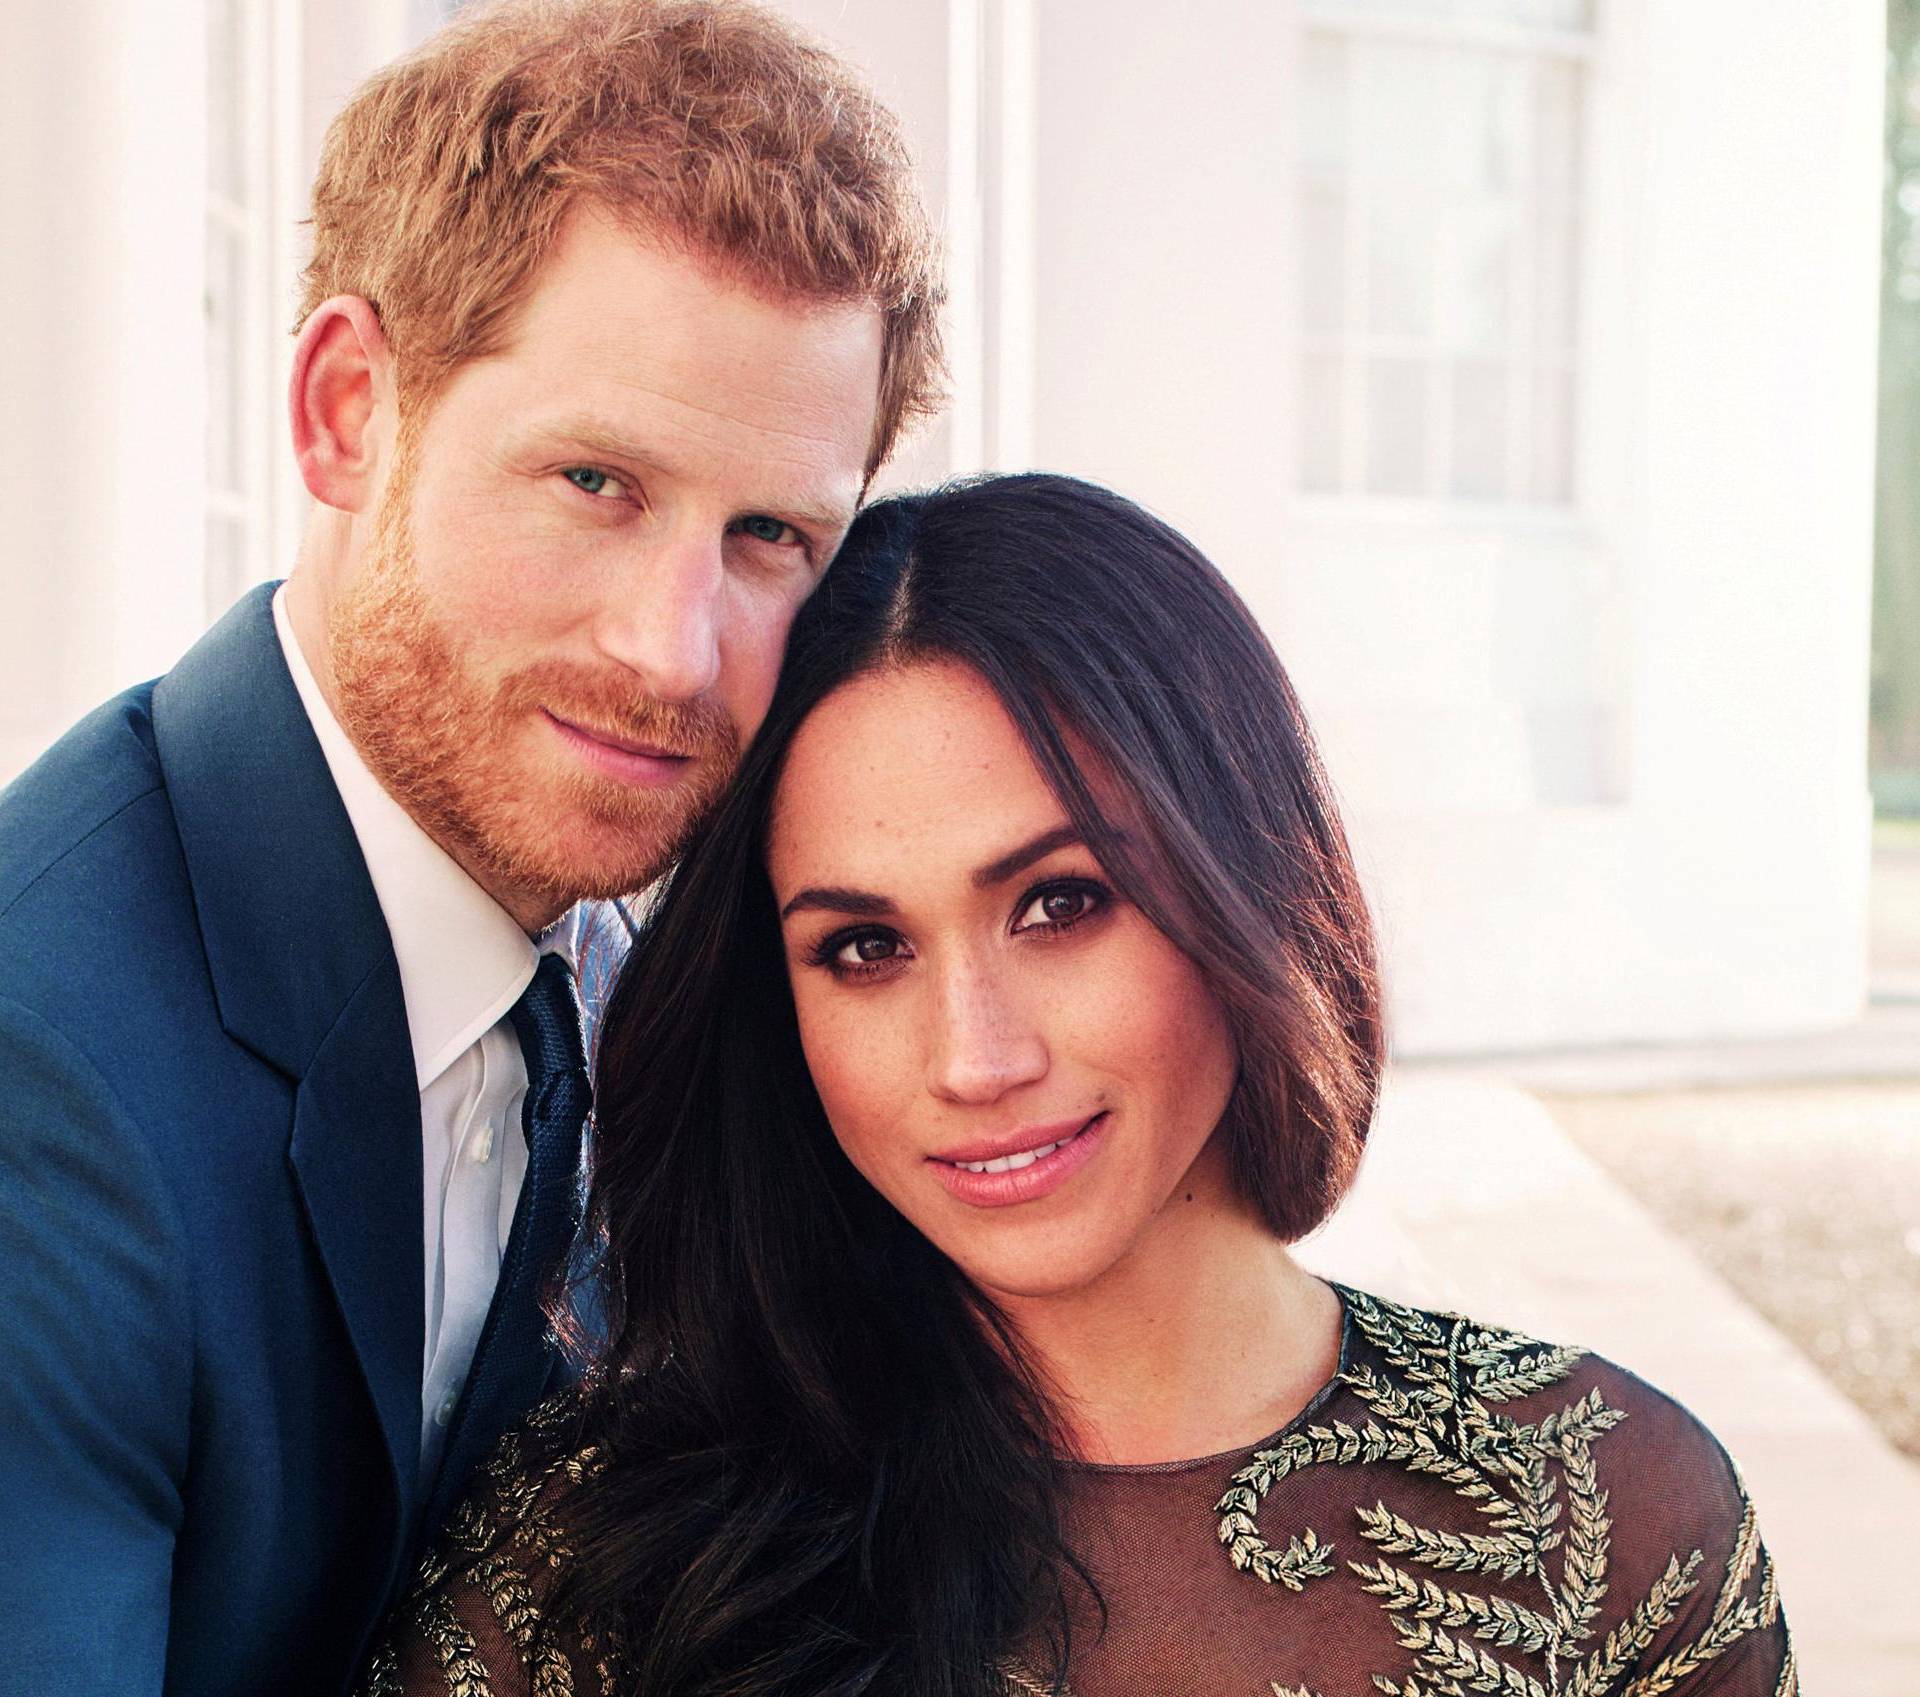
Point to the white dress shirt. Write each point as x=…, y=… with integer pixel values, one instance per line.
x=464, y=962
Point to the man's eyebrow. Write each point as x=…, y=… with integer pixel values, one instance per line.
x=828, y=898
x=588, y=436
x=1016, y=861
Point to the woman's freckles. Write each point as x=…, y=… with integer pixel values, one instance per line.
x=1034, y=1068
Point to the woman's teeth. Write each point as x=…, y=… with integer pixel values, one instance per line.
x=1013, y=1163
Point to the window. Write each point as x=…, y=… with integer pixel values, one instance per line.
x=1442, y=147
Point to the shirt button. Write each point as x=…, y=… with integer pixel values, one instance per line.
x=482, y=1147
x=443, y=1415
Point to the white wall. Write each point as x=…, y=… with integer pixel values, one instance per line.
x=103, y=280
x=1165, y=298
x=1606, y=772
x=1118, y=192
x=1725, y=892
x=102, y=120
x=1753, y=527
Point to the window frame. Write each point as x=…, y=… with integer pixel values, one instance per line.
x=1598, y=264
x=265, y=502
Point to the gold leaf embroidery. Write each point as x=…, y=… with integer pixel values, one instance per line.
x=1539, y=1486
x=454, y=1647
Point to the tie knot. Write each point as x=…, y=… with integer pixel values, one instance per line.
x=547, y=1020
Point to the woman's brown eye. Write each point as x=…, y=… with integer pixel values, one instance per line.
x=1062, y=905
x=872, y=949
x=849, y=951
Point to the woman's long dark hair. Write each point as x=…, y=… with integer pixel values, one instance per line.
x=829, y=1468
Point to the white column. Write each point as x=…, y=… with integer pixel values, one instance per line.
x=1759, y=269
x=906, y=52
x=102, y=439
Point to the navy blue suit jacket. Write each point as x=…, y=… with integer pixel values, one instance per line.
x=210, y=1203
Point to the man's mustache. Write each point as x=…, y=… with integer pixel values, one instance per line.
x=598, y=702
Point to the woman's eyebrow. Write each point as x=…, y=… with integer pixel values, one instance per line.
x=836, y=898
x=1016, y=861
x=829, y=898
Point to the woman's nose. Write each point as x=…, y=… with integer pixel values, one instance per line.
x=983, y=1043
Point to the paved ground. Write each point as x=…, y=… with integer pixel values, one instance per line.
x=1791, y=1165
x=1787, y=1169
x=1475, y=1198
x=1806, y=1199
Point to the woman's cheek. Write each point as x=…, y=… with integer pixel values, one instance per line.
x=854, y=1057
x=1150, y=1018
x=1127, y=1004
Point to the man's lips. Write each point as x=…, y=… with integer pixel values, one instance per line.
x=613, y=739
x=629, y=758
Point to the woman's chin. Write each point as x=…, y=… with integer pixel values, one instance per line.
x=1041, y=1275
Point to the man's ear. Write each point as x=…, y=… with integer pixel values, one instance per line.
x=342, y=381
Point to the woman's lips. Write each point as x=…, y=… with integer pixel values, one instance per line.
x=1028, y=1180
x=630, y=762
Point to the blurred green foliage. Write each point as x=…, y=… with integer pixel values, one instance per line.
x=1895, y=746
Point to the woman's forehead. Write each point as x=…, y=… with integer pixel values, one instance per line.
x=920, y=759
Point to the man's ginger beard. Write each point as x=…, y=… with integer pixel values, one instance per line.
x=455, y=749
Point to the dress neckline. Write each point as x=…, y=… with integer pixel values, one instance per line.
x=1314, y=1403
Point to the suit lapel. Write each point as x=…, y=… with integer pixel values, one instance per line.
x=305, y=977
x=356, y=1156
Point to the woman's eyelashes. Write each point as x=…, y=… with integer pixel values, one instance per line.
x=1047, y=910
x=1060, y=905
x=859, y=953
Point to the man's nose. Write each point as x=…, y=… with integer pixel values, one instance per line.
x=661, y=619
x=983, y=1043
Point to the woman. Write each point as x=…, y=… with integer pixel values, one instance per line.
x=1014, y=1013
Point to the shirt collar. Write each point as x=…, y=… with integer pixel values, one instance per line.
x=463, y=959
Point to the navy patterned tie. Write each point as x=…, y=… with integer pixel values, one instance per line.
x=511, y=1363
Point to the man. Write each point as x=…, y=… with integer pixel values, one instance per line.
x=613, y=310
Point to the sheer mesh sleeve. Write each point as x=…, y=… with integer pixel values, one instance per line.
x=475, y=1622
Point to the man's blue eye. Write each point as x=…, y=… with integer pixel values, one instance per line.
x=763, y=529
x=591, y=481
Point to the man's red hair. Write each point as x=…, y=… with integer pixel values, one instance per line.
x=709, y=125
